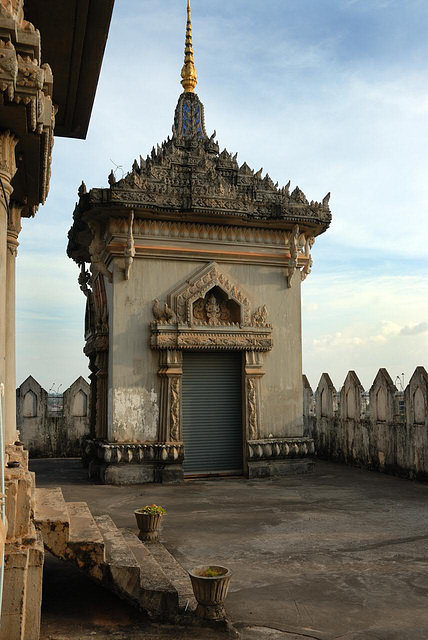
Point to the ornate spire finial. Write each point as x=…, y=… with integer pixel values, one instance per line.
x=188, y=72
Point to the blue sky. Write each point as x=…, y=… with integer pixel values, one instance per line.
x=332, y=94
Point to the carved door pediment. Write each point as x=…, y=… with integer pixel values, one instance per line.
x=198, y=286
x=210, y=311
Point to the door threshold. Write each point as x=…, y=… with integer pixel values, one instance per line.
x=207, y=476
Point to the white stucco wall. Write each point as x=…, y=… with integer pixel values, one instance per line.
x=134, y=383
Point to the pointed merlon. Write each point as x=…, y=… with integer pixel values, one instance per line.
x=188, y=72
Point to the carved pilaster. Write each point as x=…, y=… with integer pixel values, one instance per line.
x=13, y=227
x=170, y=372
x=96, y=349
x=8, y=142
x=102, y=391
x=252, y=408
x=253, y=373
x=93, y=402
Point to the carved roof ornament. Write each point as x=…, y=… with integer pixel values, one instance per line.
x=129, y=251
x=96, y=249
x=189, y=177
x=294, y=249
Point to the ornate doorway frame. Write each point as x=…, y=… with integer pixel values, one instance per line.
x=223, y=322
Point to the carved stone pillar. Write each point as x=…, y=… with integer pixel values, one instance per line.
x=269, y=456
x=8, y=143
x=93, y=399
x=13, y=229
x=253, y=373
x=101, y=424
x=170, y=372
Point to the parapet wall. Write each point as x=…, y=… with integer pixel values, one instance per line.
x=386, y=429
x=51, y=429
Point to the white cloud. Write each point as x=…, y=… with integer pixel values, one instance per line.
x=414, y=329
x=350, y=330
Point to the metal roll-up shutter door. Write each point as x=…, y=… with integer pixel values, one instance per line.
x=212, y=412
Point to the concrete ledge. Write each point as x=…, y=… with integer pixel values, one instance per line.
x=158, y=595
x=86, y=544
x=122, y=474
x=52, y=519
x=271, y=468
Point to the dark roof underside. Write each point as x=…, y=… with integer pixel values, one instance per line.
x=74, y=35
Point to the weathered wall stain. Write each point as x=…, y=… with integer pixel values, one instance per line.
x=135, y=414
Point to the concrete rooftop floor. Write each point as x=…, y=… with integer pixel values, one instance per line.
x=338, y=554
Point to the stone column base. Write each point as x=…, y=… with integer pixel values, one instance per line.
x=279, y=457
x=132, y=463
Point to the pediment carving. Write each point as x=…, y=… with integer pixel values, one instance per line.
x=210, y=310
x=213, y=298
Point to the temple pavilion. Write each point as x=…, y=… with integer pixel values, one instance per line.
x=193, y=310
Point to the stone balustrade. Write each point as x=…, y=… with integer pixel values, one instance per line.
x=277, y=448
x=162, y=452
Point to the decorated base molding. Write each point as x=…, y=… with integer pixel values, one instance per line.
x=137, y=463
x=135, y=453
x=279, y=457
x=280, y=448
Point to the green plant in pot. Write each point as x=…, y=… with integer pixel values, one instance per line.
x=148, y=521
x=210, y=585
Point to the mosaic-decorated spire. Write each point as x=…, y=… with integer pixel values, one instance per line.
x=188, y=72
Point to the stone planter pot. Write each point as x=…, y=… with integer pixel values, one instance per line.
x=210, y=593
x=148, y=525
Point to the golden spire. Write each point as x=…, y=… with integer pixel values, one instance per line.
x=188, y=72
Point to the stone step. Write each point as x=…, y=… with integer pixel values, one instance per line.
x=159, y=597
x=86, y=544
x=52, y=519
x=123, y=570
x=176, y=573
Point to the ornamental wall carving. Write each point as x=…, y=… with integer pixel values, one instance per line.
x=210, y=311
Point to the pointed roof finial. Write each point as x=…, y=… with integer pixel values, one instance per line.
x=188, y=72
